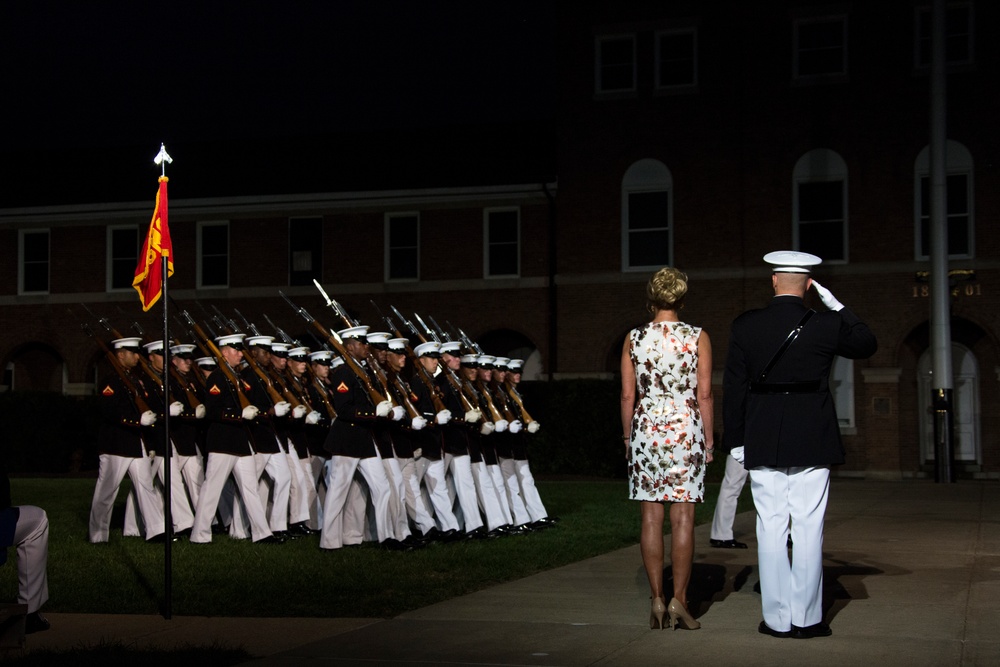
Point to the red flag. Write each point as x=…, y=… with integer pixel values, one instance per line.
x=149, y=274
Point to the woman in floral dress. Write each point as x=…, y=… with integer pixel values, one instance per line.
x=667, y=413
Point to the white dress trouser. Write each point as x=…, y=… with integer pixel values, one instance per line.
x=500, y=488
x=489, y=500
x=31, y=535
x=217, y=471
x=181, y=510
x=317, y=472
x=416, y=508
x=529, y=491
x=397, y=499
x=276, y=467
x=339, y=477
x=432, y=473
x=302, y=494
x=111, y=472
x=729, y=496
x=512, y=486
x=791, y=592
x=464, y=482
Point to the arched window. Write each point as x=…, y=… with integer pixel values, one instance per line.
x=647, y=216
x=959, y=207
x=819, y=205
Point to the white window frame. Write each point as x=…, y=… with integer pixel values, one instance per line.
x=921, y=12
x=201, y=256
x=694, y=59
x=599, y=64
x=647, y=175
x=797, y=48
x=487, y=245
x=958, y=162
x=821, y=165
x=109, y=267
x=389, y=247
x=21, y=260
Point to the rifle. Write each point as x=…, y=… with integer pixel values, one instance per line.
x=143, y=363
x=265, y=377
x=422, y=373
x=472, y=345
x=516, y=396
x=227, y=370
x=122, y=372
x=189, y=396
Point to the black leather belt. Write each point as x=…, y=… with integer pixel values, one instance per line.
x=806, y=387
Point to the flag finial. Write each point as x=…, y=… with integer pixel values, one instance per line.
x=163, y=159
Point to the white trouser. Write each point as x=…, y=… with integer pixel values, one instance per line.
x=512, y=487
x=432, y=473
x=111, y=472
x=397, y=499
x=464, y=482
x=340, y=474
x=729, y=495
x=303, y=491
x=500, y=489
x=529, y=491
x=181, y=511
x=277, y=497
x=791, y=593
x=317, y=473
x=217, y=471
x=31, y=535
x=489, y=500
x=416, y=508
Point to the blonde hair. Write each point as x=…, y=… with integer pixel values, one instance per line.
x=666, y=290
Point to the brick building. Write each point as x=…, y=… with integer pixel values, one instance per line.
x=696, y=134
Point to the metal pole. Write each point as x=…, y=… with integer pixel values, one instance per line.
x=941, y=398
x=168, y=522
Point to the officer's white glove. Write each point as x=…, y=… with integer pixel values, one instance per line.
x=417, y=453
x=473, y=415
x=281, y=408
x=500, y=426
x=199, y=411
x=176, y=408
x=737, y=453
x=827, y=297
x=299, y=411
x=486, y=428
x=443, y=417
x=147, y=418
x=250, y=412
x=151, y=454
x=398, y=412
x=383, y=409
x=418, y=423
x=533, y=427
x=313, y=417
x=516, y=426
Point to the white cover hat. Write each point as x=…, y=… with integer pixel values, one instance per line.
x=156, y=346
x=131, y=343
x=791, y=261
x=396, y=344
x=232, y=340
x=359, y=333
x=261, y=341
x=321, y=357
x=452, y=347
x=429, y=349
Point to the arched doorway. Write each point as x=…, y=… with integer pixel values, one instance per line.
x=35, y=367
x=965, y=394
x=515, y=345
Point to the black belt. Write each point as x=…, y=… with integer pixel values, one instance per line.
x=805, y=387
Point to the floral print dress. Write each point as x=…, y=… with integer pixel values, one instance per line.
x=667, y=441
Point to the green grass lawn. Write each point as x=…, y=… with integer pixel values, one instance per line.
x=238, y=578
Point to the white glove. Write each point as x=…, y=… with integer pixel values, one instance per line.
x=516, y=426
x=299, y=411
x=281, y=408
x=313, y=417
x=473, y=415
x=486, y=428
x=737, y=453
x=418, y=452
x=418, y=423
x=500, y=426
x=147, y=418
x=199, y=411
x=151, y=454
x=827, y=297
x=383, y=409
x=176, y=408
x=398, y=412
x=443, y=417
x=250, y=412
x=533, y=427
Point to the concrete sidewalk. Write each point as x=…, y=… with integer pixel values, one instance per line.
x=912, y=578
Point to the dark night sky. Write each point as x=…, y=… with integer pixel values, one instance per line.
x=104, y=74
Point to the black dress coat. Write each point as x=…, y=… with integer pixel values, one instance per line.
x=351, y=433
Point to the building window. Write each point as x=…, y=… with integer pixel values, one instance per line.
x=123, y=257
x=842, y=389
x=647, y=213
x=958, y=33
x=33, y=245
x=305, y=250
x=213, y=254
x=402, y=246
x=503, y=249
x=958, y=208
x=820, y=47
x=819, y=204
x=615, y=64
x=676, y=58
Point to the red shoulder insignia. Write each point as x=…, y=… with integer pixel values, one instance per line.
x=342, y=388
x=246, y=387
x=214, y=390
x=108, y=391
x=413, y=397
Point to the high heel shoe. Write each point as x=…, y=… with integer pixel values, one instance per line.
x=678, y=613
x=656, y=614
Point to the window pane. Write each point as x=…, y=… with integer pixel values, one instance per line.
x=214, y=240
x=649, y=248
x=402, y=263
x=676, y=59
x=215, y=271
x=822, y=238
x=647, y=210
x=821, y=201
x=503, y=227
x=124, y=257
x=616, y=65
x=215, y=255
x=36, y=247
x=305, y=247
x=957, y=205
x=36, y=277
x=403, y=232
x=503, y=260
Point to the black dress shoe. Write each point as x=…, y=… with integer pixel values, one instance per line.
x=273, y=538
x=392, y=544
x=765, y=629
x=816, y=630
x=727, y=544
x=451, y=535
x=35, y=622
x=414, y=542
x=477, y=534
x=162, y=537
x=301, y=528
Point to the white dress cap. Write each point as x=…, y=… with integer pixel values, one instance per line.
x=233, y=340
x=486, y=360
x=791, y=261
x=516, y=365
x=452, y=347
x=260, y=341
x=354, y=332
x=321, y=357
x=429, y=349
x=182, y=348
x=502, y=362
x=206, y=361
x=395, y=344
x=379, y=338
x=156, y=346
x=126, y=344
x=336, y=361
x=298, y=353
